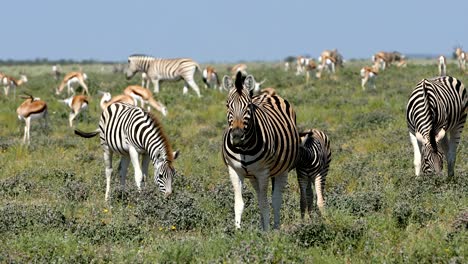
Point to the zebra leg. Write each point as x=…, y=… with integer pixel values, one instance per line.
x=193, y=85
x=319, y=186
x=277, y=199
x=156, y=85
x=144, y=167
x=417, y=154
x=123, y=167
x=260, y=184
x=237, y=182
x=134, y=157
x=452, y=149
x=309, y=196
x=302, y=180
x=108, y=164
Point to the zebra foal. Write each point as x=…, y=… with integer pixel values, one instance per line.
x=260, y=143
x=436, y=108
x=130, y=131
x=157, y=69
x=312, y=168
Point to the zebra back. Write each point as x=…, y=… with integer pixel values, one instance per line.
x=164, y=69
x=315, y=154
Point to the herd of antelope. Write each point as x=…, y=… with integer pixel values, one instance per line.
x=35, y=108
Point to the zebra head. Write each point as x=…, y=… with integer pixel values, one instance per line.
x=136, y=63
x=432, y=157
x=164, y=172
x=239, y=107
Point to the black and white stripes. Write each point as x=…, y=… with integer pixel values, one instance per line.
x=261, y=142
x=436, y=109
x=130, y=131
x=158, y=69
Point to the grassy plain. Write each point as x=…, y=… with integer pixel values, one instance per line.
x=52, y=205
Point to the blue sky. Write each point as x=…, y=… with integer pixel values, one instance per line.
x=228, y=31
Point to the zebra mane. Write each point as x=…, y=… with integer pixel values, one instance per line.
x=163, y=135
x=140, y=55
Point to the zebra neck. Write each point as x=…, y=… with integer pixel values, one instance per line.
x=157, y=149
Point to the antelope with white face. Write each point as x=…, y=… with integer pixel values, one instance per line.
x=11, y=83
x=76, y=104
x=32, y=108
x=145, y=96
x=72, y=78
x=461, y=58
x=442, y=65
x=368, y=74
x=56, y=72
x=210, y=78
x=242, y=68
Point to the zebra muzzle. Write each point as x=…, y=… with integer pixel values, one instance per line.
x=237, y=136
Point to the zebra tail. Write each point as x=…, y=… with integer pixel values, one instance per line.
x=86, y=134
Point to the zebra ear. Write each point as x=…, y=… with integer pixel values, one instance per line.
x=175, y=154
x=227, y=83
x=249, y=83
x=420, y=138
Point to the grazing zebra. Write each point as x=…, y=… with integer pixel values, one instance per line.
x=260, y=143
x=164, y=69
x=130, y=131
x=442, y=65
x=312, y=168
x=437, y=107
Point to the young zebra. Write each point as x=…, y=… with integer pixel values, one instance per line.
x=436, y=107
x=312, y=167
x=164, y=69
x=260, y=143
x=130, y=131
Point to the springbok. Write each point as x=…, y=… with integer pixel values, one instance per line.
x=210, y=78
x=70, y=79
x=77, y=104
x=442, y=65
x=368, y=74
x=145, y=96
x=461, y=58
x=32, y=108
x=107, y=99
x=10, y=82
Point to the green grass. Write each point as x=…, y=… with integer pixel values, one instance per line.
x=52, y=191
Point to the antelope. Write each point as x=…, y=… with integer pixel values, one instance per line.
x=56, y=72
x=32, y=108
x=77, y=104
x=72, y=78
x=107, y=99
x=384, y=59
x=442, y=65
x=461, y=57
x=369, y=74
x=210, y=78
x=309, y=68
x=326, y=62
x=144, y=95
x=242, y=68
x=300, y=64
x=10, y=82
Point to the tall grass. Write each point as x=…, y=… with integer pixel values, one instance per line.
x=52, y=191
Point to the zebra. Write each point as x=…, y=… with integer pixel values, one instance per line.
x=312, y=167
x=164, y=69
x=436, y=107
x=130, y=131
x=261, y=142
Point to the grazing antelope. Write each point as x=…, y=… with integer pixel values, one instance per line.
x=442, y=65
x=461, y=58
x=286, y=66
x=32, y=108
x=77, y=104
x=369, y=74
x=107, y=99
x=56, y=72
x=10, y=82
x=242, y=68
x=384, y=59
x=300, y=65
x=144, y=95
x=210, y=78
x=70, y=79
